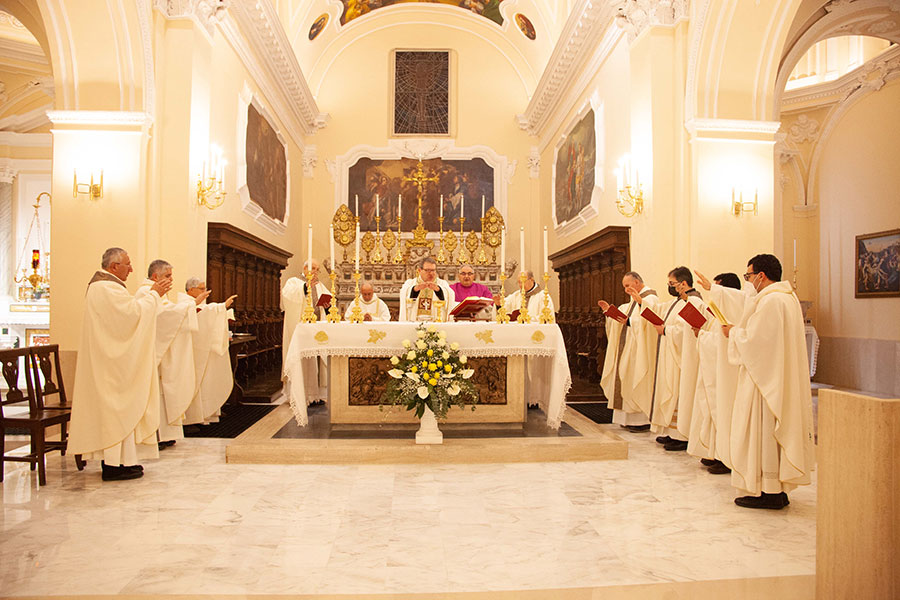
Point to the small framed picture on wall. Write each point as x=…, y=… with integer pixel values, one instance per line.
x=878, y=264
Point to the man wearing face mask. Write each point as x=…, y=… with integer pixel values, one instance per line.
x=771, y=425
x=677, y=364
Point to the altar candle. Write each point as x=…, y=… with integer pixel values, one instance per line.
x=503, y=250
x=377, y=213
x=545, y=249
x=462, y=206
x=482, y=206
x=357, y=206
x=522, y=249
x=309, y=249
x=331, y=243
x=442, y=206
x=357, y=247
x=399, y=208
x=795, y=253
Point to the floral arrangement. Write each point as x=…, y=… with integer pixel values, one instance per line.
x=431, y=373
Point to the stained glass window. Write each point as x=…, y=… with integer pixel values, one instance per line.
x=421, y=93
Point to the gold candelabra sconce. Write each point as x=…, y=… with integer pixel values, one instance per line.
x=91, y=190
x=739, y=207
x=39, y=278
x=211, y=181
x=629, y=193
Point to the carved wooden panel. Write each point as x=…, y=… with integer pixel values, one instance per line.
x=589, y=270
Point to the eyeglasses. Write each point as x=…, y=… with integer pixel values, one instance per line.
x=747, y=276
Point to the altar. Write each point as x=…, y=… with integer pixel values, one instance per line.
x=527, y=361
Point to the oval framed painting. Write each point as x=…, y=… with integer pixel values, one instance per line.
x=318, y=25
x=525, y=26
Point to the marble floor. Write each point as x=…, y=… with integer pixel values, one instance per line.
x=656, y=525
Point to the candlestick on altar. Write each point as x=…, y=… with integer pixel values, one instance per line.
x=376, y=256
x=334, y=316
x=441, y=257
x=356, y=314
x=524, y=317
x=357, y=246
x=502, y=317
x=398, y=257
x=482, y=257
x=309, y=311
x=357, y=207
x=546, y=314
x=462, y=257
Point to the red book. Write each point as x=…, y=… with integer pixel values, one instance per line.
x=652, y=317
x=693, y=317
x=614, y=313
x=471, y=305
x=324, y=301
x=514, y=315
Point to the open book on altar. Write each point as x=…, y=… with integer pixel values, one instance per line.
x=324, y=301
x=469, y=307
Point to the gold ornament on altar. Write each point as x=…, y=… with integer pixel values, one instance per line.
x=449, y=242
x=472, y=243
x=492, y=231
x=368, y=242
x=389, y=240
x=344, y=223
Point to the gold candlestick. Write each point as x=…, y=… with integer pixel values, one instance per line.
x=523, y=310
x=482, y=257
x=441, y=257
x=462, y=257
x=376, y=257
x=333, y=315
x=398, y=258
x=356, y=315
x=502, y=317
x=309, y=311
x=546, y=313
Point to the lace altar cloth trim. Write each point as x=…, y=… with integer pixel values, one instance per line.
x=320, y=340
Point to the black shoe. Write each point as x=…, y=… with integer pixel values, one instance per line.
x=166, y=444
x=120, y=473
x=137, y=468
x=768, y=501
x=718, y=468
x=708, y=462
x=676, y=446
x=638, y=428
x=663, y=439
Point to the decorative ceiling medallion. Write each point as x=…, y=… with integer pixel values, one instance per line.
x=318, y=25
x=525, y=26
x=490, y=9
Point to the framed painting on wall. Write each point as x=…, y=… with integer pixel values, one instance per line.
x=37, y=337
x=878, y=264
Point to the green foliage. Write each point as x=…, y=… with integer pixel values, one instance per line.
x=431, y=372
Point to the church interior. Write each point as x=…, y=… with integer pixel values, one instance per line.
x=574, y=141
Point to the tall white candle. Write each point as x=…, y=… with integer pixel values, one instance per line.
x=545, y=249
x=482, y=206
x=503, y=250
x=442, y=206
x=377, y=210
x=399, y=205
x=795, y=253
x=462, y=206
x=522, y=249
x=357, y=206
x=357, y=247
x=309, y=248
x=331, y=243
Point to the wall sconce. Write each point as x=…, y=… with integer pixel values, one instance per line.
x=211, y=184
x=739, y=207
x=629, y=194
x=93, y=190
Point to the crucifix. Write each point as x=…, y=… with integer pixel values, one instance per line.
x=420, y=179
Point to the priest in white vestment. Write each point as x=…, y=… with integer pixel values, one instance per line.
x=115, y=398
x=373, y=308
x=630, y=355
x=534, y=298
x=716, y=377
x=427, y=297
x=772, y=449
x=668, y=408
x=175, y=325
x=295, y=292
x=214, y=378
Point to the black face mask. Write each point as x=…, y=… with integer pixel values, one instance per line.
x=673, y=291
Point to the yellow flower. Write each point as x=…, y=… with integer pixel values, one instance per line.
x=413, y=368
x=430, y=352
x=432, y=381
x=424, y=364
x=440, y=364
x=432, y=367
x=448, y=368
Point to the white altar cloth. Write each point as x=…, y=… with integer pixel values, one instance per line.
x=322, y=339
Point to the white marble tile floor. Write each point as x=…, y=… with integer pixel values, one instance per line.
x=196, y=525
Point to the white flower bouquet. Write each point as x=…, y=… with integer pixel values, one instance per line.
x=430, y=373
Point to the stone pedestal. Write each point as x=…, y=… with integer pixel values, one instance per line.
x=858, y=515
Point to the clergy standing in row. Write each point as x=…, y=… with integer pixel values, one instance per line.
x=213, y=376
x=373, y=307
x=427, y=297
x=627, y=379
x=295, y=292
x=772, y=448
x=115, y=398
x=175, y=324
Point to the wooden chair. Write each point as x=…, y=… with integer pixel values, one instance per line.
x=38, y=417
